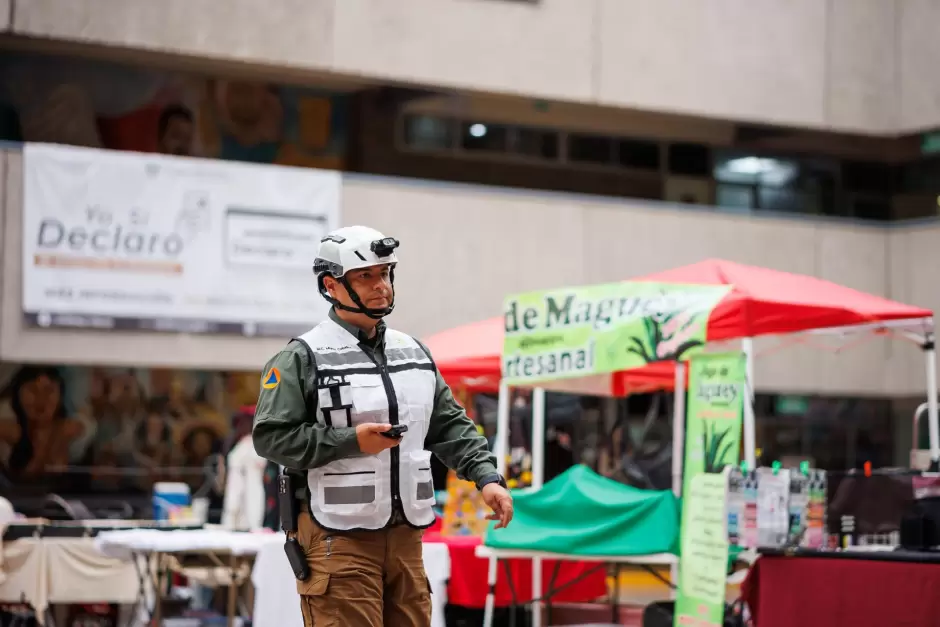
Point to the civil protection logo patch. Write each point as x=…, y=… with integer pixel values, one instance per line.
x=271, y=379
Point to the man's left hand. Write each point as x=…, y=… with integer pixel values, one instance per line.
x=498, y=499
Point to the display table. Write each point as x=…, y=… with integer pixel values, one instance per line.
x=278, y=605
x=468, y=587
x=858, y=588
x=213, y=555
x=44, y=571
x=554, y=586
x=123, y=544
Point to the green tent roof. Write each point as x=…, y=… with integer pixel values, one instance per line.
x=581, y=513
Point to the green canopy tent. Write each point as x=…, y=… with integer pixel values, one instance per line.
x=582, y=513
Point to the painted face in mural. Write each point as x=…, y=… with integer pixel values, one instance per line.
x=160, y=380
x=126, y=395
x=178, y=137
x=245, y=102
x=249, y=113
x=154, y=429
x=201, y=444
x=39, y=399
x=175, y=131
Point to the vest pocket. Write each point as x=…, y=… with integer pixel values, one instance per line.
x=420, y=484
x=348, y=493
x=369, y=399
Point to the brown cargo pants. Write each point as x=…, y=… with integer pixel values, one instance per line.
x=363, y=578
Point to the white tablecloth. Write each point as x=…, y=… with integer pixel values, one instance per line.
x=278, y=605
x=123, y=544
x=43, y=571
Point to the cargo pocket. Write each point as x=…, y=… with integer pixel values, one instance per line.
x=315, y=604
x=352, y=493
x=420, y=482
x=315, y=586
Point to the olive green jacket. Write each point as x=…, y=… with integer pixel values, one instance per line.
x=287, y=432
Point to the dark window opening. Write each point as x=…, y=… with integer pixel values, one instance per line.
x=534, y=142
x=590, y=149
x=690, y=159
x=638, y=154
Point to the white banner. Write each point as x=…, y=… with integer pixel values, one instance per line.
x=141, y=241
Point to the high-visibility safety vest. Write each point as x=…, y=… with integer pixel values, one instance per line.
x=360, y=492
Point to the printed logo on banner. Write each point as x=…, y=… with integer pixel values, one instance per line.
x=158, y=242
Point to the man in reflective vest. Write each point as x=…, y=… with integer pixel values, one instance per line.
x=330, y=404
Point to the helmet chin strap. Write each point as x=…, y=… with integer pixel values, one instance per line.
x=360, y=308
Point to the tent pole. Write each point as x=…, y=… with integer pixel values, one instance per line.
x=538, y=479
x=750, y=437
x=538, y=438
x=678, y=428
x=501, y=449
x=678, y=451
x=930, y=353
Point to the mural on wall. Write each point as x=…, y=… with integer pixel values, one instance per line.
x=113, y=429
x=69, y=100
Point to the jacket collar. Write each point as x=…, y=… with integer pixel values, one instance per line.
x=358, y=333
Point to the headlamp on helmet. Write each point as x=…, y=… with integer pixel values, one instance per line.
x=384, y=247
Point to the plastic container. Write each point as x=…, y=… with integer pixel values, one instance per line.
x=169, y=496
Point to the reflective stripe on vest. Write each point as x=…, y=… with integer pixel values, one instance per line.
x=356, y=493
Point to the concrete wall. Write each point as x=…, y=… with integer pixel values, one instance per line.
x=918, y=50
x=863, y=65
x=465, y=247
x=913, y=259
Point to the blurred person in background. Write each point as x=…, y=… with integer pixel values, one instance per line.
x=124, y=410
x=559, y=455
x=201, y=444
x=113, y=449
x=200, y=440
x=154, y=445
x=244, y=499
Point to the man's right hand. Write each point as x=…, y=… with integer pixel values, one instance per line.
x=371, y=440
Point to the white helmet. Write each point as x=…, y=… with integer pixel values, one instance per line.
x=354, y=248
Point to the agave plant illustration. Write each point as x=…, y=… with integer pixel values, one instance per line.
x=715, y=453
x=667, y=338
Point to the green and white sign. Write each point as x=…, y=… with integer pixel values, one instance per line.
x=604, y=328
x=717, y=393
x=717, y=389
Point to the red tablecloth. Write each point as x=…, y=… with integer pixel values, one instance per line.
x=827, y=591
x=467, y=586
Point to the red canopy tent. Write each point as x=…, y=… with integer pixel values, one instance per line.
x=770, y=302
x=761, y=302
